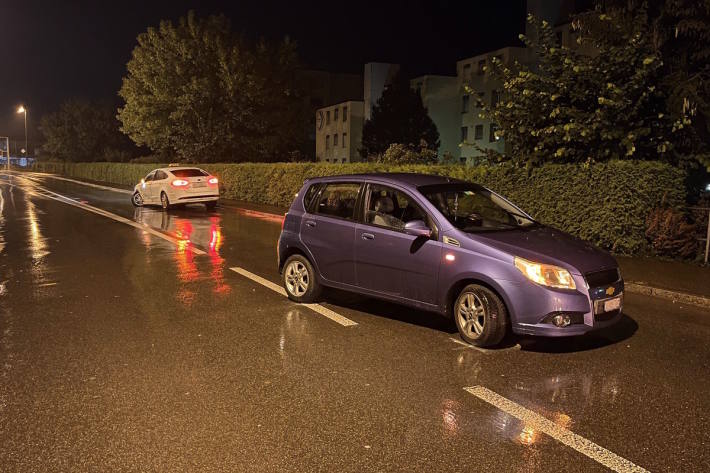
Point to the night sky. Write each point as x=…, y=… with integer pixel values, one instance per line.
x=51, y=51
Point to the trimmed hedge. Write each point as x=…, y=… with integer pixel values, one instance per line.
x=606, y=203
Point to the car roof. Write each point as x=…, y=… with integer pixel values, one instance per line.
x=405, y=178
x=177, y=168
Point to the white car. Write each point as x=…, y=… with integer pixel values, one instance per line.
x=175, y=185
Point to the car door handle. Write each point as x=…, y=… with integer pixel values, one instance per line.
x=310, y=223
x=368, y=236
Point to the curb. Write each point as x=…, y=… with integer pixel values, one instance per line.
x=675, y=296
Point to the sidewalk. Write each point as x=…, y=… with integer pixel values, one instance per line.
x=674, y=280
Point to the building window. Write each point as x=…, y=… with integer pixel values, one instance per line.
x=494, y=97
x=492, y=136
x=335, y=114
x=480, y=98
x=345, y=137
x=327, y=141
x=327, y=117
x=467, y=70
x=478, y=133
x=345, y=114
x=464, y=103
x=464, y=133
x=335, y=140
x=481, y=67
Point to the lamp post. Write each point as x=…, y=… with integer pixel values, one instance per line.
x=22, y=109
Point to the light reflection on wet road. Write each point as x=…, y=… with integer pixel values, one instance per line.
x=145, y=356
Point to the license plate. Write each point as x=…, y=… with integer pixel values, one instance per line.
x=612, y=304
x=199, y=184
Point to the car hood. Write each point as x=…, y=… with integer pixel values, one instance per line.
x=547, y=245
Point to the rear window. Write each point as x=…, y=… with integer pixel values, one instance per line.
x=194, y=172
x=338, y=200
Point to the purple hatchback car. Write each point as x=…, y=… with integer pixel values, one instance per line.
x=446, y=246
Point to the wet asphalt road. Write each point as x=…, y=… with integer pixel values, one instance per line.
x=120, y=351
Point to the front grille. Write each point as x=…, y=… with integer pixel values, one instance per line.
x=602, y=278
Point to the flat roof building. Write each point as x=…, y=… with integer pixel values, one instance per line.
x=339, y=132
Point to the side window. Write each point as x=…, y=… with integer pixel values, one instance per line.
x=338, y=200
x=309, y=197
x=149, y=177
x=391, y=208
x=160, y=175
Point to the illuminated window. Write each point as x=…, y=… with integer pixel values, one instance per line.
x=492, y=135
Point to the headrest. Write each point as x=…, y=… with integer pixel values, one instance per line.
x=384, y=204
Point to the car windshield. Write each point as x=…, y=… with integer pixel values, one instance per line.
x=193, y=172
x=474, y=208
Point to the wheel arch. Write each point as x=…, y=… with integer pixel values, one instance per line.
x=462, y=282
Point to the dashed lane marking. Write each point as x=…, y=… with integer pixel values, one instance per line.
x=536, y=421
x=324, y=311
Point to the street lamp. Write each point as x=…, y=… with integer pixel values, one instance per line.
x=22, y=109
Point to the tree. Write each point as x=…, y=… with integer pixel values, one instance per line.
x=84, y=131
x=680, y=31
x=595, y=102
x=398, y=153
x=398, y=117
x=197, y=90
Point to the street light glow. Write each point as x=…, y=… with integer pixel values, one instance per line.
x=21, y=109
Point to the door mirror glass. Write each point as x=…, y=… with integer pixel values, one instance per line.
x=417, y=228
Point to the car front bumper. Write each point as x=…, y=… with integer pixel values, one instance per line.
x=532, y=305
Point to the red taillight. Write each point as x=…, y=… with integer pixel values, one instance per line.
x=180, y=183
x=212, y=181
x=283, y=221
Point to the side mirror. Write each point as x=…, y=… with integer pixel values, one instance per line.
x=417, y=228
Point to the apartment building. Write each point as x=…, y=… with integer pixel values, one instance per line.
x=440, y=96
x=339, y=132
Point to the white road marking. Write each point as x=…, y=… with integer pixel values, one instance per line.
x=89, y=184
x=324, y=311
x=104, y=213
x=536, y=421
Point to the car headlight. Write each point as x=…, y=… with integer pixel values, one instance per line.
x=545, y=274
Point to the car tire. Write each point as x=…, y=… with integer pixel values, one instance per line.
x=137, y=199
x=480, y=316
x=164, y=201
x=211, y=205
x=300, y=280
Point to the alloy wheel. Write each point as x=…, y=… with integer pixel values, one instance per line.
x=137, y=199
x=297, y=278
x=472, y=314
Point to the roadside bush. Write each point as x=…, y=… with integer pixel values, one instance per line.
x=672, y=234
x=407, y=154
x=605, y=203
